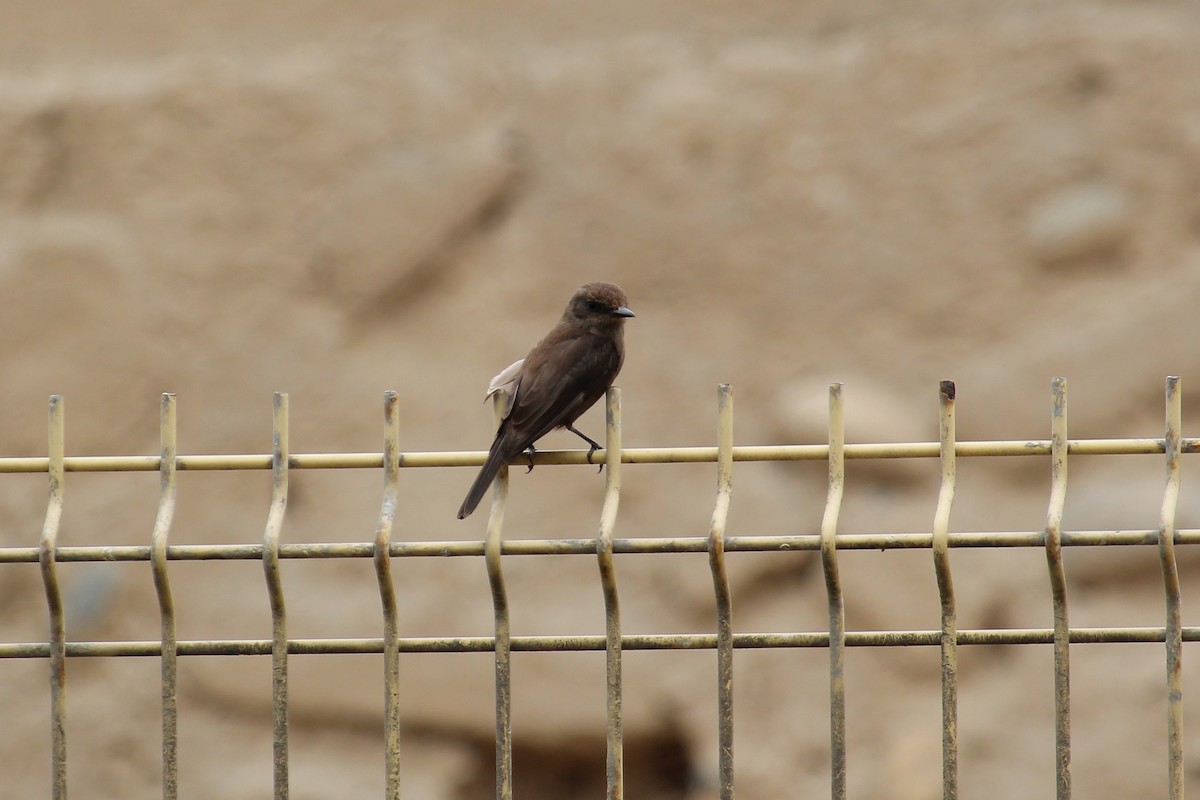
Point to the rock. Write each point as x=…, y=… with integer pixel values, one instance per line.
x=394, y=226
x=1087, y=222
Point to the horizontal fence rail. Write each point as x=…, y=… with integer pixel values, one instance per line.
x=571, y=644
x=633, y=455
x=827, y=541
x=562, y=547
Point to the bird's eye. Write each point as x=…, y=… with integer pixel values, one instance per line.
x=595, y=306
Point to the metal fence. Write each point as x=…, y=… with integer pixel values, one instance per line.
x=493, y=549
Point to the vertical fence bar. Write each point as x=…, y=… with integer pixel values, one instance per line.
x=491, y=555
x=614, y=764
x=833, y=588
x=1170, y=572
x=387, y=595
x=716, y=561
x=941, y=561
x=166, y=603
x=47, y=553
x=1058, y=589
x=279, y=641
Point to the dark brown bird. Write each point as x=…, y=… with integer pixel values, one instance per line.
x=562, y=377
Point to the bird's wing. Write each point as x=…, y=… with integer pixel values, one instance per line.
x=559, y=382
x=506, y=380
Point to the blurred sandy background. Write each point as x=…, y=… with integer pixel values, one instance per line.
x=333, y=199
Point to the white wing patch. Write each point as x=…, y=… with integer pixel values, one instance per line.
x=506, y=380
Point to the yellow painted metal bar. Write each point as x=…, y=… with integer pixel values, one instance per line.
x=1174, y=626
x=660, y=545
x=833, y=589
x=1058, y=589
x=645, y=455
x=56, y=647
x=716, y=561
x=166, y=604
x=615, y=759
x=387, y=595
x=279, y=641
x=542, y=547
x=595, y=643
x=492, y=551
x=941, y=560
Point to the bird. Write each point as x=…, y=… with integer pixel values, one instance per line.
x=563, y=376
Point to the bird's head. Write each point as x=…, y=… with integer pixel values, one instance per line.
x=598, y=302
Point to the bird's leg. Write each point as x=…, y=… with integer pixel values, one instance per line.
x=530, y=452
x=593, y=445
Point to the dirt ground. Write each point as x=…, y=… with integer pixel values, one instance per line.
x=227, y=199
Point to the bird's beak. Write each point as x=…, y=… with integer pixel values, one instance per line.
x=623, y=312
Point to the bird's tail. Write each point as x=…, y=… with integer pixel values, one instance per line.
x=483, y=481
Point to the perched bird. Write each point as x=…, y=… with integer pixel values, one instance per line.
x=562, y=377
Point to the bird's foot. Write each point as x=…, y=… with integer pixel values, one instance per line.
x=530, y=452
x=592, y=449
x=593, y=445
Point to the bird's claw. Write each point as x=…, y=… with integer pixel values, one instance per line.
x=591, y=451
x=593, y=445
x=529, y=453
